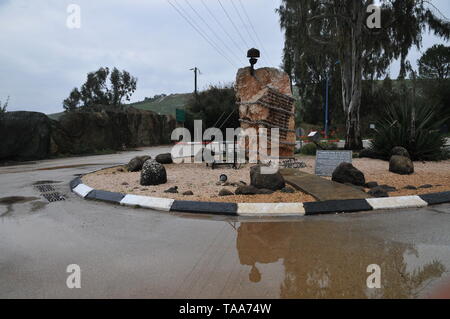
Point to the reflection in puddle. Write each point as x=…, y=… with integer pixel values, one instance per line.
x=329, y=260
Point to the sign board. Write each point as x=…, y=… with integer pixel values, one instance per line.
x=180, y=115
x=327, y=161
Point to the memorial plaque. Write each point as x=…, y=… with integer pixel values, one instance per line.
x=327, y=161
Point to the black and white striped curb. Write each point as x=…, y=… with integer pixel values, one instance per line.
x=260, y=209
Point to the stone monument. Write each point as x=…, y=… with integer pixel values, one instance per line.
x=265, y=100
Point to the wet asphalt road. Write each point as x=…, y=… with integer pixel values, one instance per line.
x=127, y=253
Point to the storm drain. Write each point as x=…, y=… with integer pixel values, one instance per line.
x=53, y=197
x=45, y=188
x=49, y=193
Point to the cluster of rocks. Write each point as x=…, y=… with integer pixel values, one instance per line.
x=260, y=184
x=152, y=171
x=347, y=174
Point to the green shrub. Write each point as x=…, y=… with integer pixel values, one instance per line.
x=309, y=149
x=417, y=131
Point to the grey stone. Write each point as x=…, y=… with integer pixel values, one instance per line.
x=410, y=187
x=378, y=192
x=388, y=188
x=136, y=163
x=188, y=193
x=268, y=181
x=153, y=173
x=225, y=192
x=251, y=190
x=401, y=165
x=288, y=190
x=347, y=173
x=165, y=158
x=400, y=151
x=426, y=186
x=371, y=185
x=173, y=190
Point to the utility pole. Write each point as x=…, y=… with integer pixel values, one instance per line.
x=196, y=70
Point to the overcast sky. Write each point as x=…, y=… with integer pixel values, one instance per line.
x=41, y=59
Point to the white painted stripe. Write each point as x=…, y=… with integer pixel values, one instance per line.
x=163, y=204
x=397, y=202
x=82, y=190
x=271, y=209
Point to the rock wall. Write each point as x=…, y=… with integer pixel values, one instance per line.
x=24, y=136
x=265, y=101
x=31, y=135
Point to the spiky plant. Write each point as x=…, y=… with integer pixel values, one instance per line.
x=414, y=126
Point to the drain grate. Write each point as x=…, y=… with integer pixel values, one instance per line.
x=45, y=188
x=50, y=193
x=53, y=197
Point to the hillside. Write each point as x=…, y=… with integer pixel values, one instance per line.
x=165, y=105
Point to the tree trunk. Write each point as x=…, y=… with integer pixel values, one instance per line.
x=351, y=74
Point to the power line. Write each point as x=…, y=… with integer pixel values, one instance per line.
x=201, y=34
x=243, y=22
x=212, y=31
x=201, y=29
x=256, y=33
x=222, y=27
x=234, y=25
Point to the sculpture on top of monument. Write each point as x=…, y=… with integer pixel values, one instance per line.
x=265, y=100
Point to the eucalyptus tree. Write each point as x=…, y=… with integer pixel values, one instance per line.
x=364, y=38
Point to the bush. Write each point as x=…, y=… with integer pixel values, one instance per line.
x=3, y=106
x=418, y=132
x=309, y=149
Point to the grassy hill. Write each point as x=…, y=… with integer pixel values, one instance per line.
x=165, y=105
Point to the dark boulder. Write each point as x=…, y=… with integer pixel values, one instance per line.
x=371, y=185
x=347, y=173
x=388, y=188
x=410, y=187
x=378, y=192
x=165, y=158
x=136, y=163
x=225, y=192
x=24, y=136
x=400, y=151
x=401, y=165
x=252, y=190
x=288, y=190
x=188, y=193
x=273, y=182
x=153, y=173
x=172, y=190
x=425, y=186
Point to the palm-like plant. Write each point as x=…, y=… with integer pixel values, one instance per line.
x=414, y=127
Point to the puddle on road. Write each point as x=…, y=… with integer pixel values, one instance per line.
x=330, y=260
x=46, y=182
x=11, y=200
x=64, y=166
